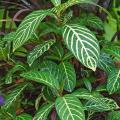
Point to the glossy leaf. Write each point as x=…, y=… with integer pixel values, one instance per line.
x=69, y=108
x=69, y=76
x=113, y=82
x=38, y=51
x=42, y=77
x=28, y=27
x=43, y=112
x=83, y=44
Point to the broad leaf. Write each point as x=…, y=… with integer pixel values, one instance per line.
x=14, y=95
x=56, y=2
x=106, y=63
x=83, y=44
x=114, y=115
x=43, y=112
x=113, y=50
x=38, y=51
x=113, y=82
x=93, y=21
x=69, y=108
x=85, y=94
x=69, y=76
x=42, y=77
x=52, y=68
x=101, y=104
x=28, y=27
x=24, y=117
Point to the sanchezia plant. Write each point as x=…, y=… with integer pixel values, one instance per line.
x=52, y=64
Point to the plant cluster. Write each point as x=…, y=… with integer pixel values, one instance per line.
x=51, y=59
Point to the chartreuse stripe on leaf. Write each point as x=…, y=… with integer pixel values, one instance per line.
x=24, y=116
x=38, y=51
x=101, y=104
x=83, y=44
x=69, y=76
x=14, y=95
x=43, y=112
x=42, y=77
x=113, y=82
x=69, y=108
x=28, y=27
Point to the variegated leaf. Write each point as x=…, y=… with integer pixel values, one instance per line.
x=69, y=76
x=113, y=50
x=113, y=82
x=38, y=51
x=83, y=44
x=24, y=117
x=28, y=27
x=106, y=63
x=14, y=95
x=101, y=104
x=43, y=112
x=56, y=2
x=42, y=77
x=69, y=108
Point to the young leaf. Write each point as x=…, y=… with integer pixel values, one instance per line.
x=14, y=95
x=42, y=77
x=24, y=116
x=106, y=63
x=83, y=44
x=113, y=82
x=28, y=27
x=38, y=51
x=43, y=112
x=101, y=104
x=56, y=2
x=69, y=108
x=69, y=76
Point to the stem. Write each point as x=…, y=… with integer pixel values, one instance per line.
x=90, y=113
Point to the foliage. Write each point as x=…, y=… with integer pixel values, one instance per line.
x=54, y=55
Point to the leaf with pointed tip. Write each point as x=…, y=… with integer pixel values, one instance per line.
x=38, y=51
x=113, y=82
x=14, y=95
x=101, y=104
x=24, y=117
x=42, y=77
x=83, y=44
x=28, y=27
x=106, y=63
x=43, y=112
x=69, y=76
x=69, y=108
